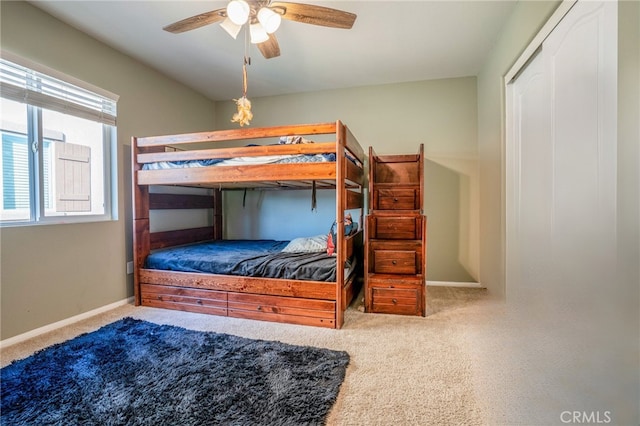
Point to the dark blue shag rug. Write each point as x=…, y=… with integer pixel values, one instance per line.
x=134, y=372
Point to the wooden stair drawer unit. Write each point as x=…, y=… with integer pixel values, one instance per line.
x=395, y=235
x=397, y=199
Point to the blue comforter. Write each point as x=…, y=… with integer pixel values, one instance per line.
x=250, y=258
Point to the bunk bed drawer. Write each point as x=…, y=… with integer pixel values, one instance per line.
x=397, y=227
x=184, y=299
x=396, y=199
x=396, y=301
x=395, y=262
x=290, y=310
x=402, y=257
x=396, y=296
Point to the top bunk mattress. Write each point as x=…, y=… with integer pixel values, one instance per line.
x=249, y=258
x=239, y=161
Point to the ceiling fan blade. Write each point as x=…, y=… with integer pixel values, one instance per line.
x=196, y=21
x=317, y=15
x=270, y=48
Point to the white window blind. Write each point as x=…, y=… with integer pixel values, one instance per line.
x=32, y=87
x=58, y=147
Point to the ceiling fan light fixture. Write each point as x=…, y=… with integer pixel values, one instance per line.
x=238, y=11
x=262, y=18
x=258, y=33
x=232, y=29
x=269, y=19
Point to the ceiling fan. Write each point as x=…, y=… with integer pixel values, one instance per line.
x=263, y=18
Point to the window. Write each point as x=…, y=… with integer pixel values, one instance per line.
x=57, y=147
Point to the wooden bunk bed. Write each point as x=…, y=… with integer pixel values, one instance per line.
x=306, y=302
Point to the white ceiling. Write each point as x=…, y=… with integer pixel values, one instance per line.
x=390, y=42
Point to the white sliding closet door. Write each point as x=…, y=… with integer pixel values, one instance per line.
x=561, y=164
x=567, y=352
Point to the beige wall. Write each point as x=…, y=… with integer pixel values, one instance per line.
x=527, y=19
x=53, y=272
x=394, y=119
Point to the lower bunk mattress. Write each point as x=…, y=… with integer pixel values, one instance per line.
x=248, y=258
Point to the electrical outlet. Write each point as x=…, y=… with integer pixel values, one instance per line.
x=129, y=268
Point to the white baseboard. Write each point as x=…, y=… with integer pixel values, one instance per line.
x=453, y=284
x=50, y=327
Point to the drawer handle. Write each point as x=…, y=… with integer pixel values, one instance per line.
x=259, y=308
x=395, y=301
x=199, y=302
x=395, y=200
x=394, y=262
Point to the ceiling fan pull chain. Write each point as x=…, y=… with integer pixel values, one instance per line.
x=247, y=61
x=243, y=115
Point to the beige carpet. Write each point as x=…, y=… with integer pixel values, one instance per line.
x=403, y=370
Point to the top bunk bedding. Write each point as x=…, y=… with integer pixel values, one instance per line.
x=187, y=159
x=261, y=159
x=240, y=161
